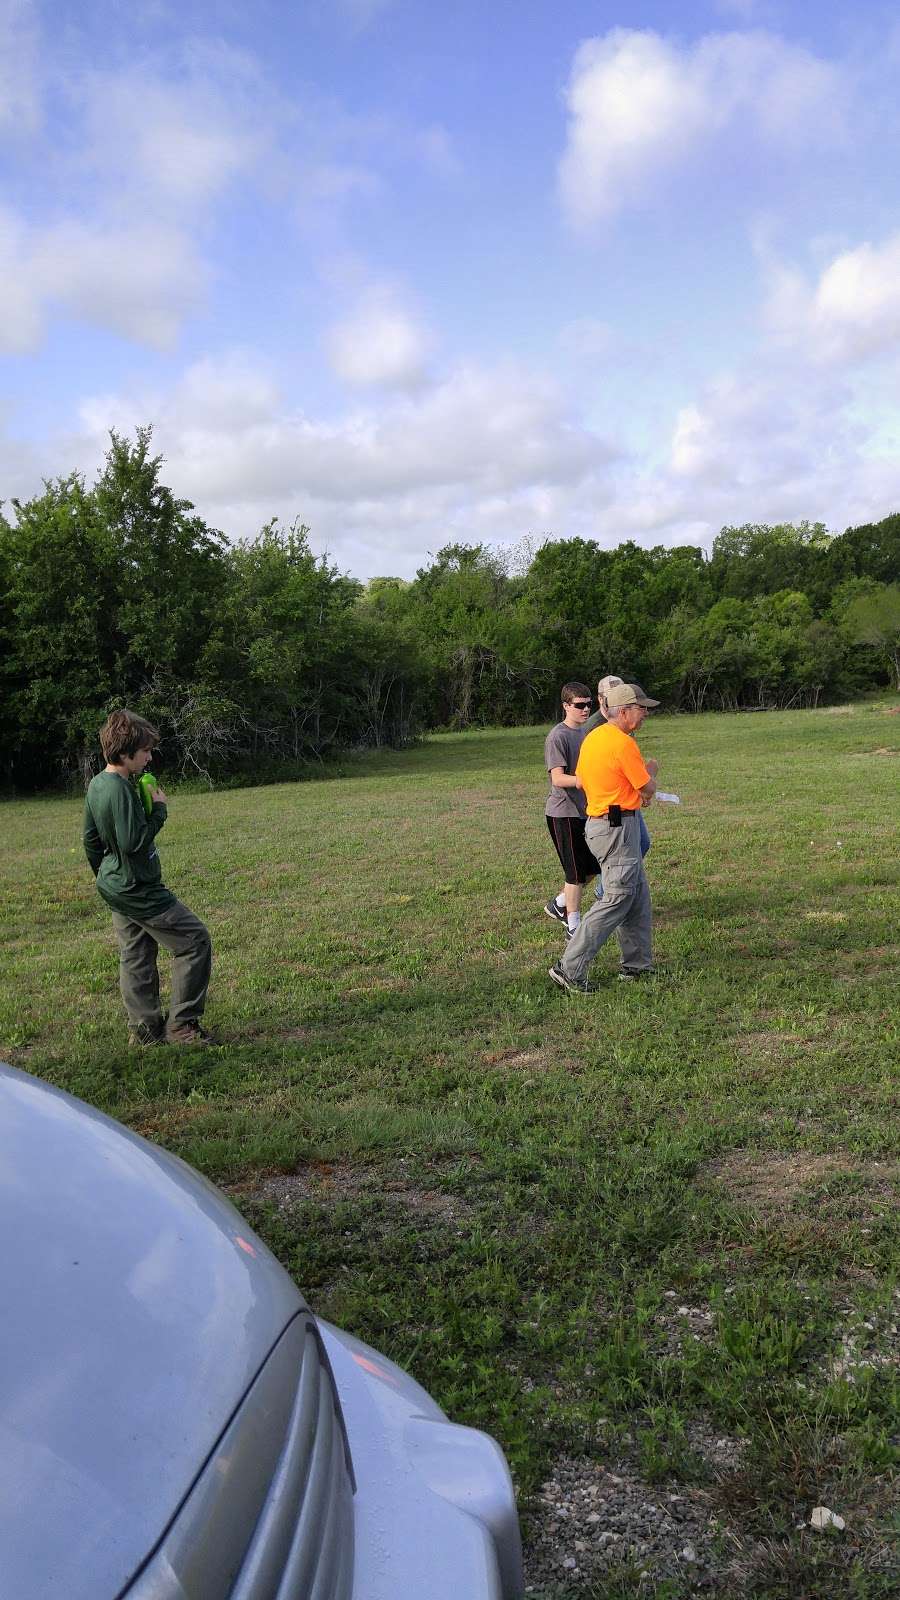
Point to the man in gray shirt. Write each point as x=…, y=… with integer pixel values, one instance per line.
x=565, y=809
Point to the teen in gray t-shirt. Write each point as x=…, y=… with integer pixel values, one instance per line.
x=565, y=808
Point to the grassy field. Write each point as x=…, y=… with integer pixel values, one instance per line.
x=648, y=1238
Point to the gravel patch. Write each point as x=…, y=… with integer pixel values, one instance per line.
x=592, y=1519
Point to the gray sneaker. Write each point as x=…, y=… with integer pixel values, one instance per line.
x=571, y=985
x=631, y=974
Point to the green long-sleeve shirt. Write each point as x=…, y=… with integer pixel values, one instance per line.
x=118, y=842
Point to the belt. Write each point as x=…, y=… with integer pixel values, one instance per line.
x=597, y=816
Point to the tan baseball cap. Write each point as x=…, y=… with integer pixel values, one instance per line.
x=628, y=694
x=606, y=684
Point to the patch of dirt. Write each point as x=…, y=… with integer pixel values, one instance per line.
x=825, y=916
x=324, y=1181
x=773, y=1182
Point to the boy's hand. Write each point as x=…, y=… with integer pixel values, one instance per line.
x=158, y=794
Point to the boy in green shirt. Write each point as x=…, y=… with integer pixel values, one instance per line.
x=119, y=844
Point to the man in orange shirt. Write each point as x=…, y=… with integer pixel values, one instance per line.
x=617, y=783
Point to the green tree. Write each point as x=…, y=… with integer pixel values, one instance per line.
x=873, y=618
x=59, y=664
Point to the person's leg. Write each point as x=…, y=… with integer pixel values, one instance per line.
x=616, y=851
x=577, y=863
x=636, y=931
x=138, y=977
x=645, y=846
x=187, y=938
x=572, y=892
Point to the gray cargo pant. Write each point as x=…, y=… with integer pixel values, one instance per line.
x=180, y=932
x=625, y=907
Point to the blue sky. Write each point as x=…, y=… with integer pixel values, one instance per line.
x=490, y=272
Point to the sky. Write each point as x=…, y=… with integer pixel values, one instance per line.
x=489, y=272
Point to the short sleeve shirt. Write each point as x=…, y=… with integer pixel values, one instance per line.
x=561, y=748
x=612, y=770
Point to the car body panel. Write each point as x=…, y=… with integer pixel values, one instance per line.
x=174, y=1422
x=125, y=1275
x=435, y=1509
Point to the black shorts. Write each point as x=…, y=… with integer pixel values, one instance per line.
x=567, y=834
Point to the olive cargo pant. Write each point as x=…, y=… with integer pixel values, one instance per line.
x=625, y=907
x=187, y=938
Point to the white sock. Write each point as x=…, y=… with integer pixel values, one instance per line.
x=561, y=900
x=573, y=919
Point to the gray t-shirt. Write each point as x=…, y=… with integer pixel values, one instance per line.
x=561, y=748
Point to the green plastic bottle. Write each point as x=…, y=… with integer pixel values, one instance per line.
x=147, y=782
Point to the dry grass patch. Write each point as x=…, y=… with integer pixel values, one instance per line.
x=514, y=1060
x=772, y=1043
x=326, y=1181
x=772, y=1182
x=162, y=1123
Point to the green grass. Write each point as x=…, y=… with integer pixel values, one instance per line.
x=513, y=1191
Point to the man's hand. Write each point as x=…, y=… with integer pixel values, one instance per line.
x=648, y=792
x=652, y=766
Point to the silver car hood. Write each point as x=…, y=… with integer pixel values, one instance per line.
x=136, y=1307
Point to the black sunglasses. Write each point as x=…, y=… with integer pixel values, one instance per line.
x=581, y=705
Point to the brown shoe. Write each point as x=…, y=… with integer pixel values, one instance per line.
x=189, y=1033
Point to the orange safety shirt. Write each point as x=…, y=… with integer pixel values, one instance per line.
x=611, y=769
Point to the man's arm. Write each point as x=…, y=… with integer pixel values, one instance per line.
x=563, y=779
x=93, y=844
x=649, y=789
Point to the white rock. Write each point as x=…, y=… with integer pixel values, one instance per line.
x=821, y=1517
x=689, y=1553
x=570, y=1564
x=594, y=1517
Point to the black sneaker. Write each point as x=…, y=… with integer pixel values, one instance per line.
x=143, y=1034
x=557, y=912
x=571, y=985
x=631, y=974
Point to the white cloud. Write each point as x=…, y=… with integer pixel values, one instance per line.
x=179, y=136
x=849, y=315
x=19, y=82
x=139, y=282
x=639, y=106
x=483, y=454
x=379, y=344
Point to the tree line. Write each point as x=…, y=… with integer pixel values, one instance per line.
x=259, y=657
